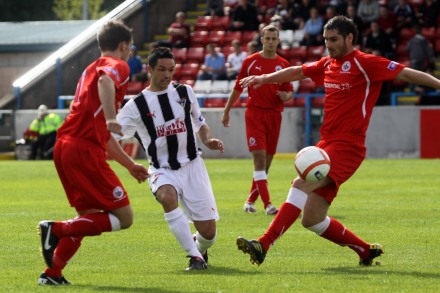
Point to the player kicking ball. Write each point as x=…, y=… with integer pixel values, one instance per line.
x=352, y=81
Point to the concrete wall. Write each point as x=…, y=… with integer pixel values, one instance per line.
x=394, y=131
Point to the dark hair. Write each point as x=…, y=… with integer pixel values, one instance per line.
x=159, y=53
x=112, y=33
x=343, y=25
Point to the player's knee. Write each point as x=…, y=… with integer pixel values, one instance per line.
x=126, y=223
x=298, y=183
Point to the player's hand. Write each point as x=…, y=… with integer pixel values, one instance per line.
x=285, y=96
x=215, y=144
x=114, y=127
x=225, y=119
x=139, y=172
x=254, y=80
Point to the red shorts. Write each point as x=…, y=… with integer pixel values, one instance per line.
x=346, y=156
x=87, y=178
x=262, y=130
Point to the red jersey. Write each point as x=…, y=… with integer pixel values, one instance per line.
x=86, y=119
x=265, y=97
x=352, y=86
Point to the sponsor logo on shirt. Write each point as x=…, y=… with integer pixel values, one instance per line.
x=392, y=65
x=338, y=86
x=170, y=128
x=258, y=67
x=114, y=72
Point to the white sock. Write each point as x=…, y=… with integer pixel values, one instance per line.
x=297, y=197
x=179, y=226
x=114, y=222
x=203, y=244
x=260, y=175
x=320, y=227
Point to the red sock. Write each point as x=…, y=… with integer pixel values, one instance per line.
x=253, y=193
x=263, y=190
x=337, y=233
x=286, y=216
x=86, y=225
x=66, y=249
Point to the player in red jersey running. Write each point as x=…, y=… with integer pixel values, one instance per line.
x=91, y=186
x=263, y=114
x=352, y=82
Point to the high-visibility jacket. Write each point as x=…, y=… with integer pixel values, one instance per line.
x=48, y=124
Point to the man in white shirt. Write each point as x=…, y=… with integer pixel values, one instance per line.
x=234, y=61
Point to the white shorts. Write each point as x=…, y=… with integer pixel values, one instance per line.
x=193, y=188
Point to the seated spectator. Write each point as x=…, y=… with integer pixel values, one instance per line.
x=244, y=17
x=252, y=47
x=387, y=22
x=368, y=11
x=264, y=6
x=43, y=129
x=313, y=29
x=404, y=13
x=377, y=40
x=428, y=13
x=214, y=67
x=234, y=60
x=135, y=63
x=352, y=14
x=178, y=33
x=214, y=8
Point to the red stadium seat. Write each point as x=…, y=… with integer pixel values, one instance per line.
x=179, y=54
x=406, y=34
x=220, y=23
x=401, y=50
x=230, y=36
x=315, y=52
x=216, y=37
x=318, y=102
x=199, y=39
x=189, y=71
x=248, y=36
x=306, y=86
x=298, y=52
x=437, y=46
x=214, y=102
x=195, y=54
x=429, y=33
x=203, y=23
x=177, y=71
x=134, y=87
x=189, y=82
x=227, y=51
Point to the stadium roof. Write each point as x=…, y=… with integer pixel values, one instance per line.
x=39, y=35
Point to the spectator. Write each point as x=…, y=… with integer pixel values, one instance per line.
x=377, y=40
x=420, y=52
x=43, y=130
x=404, y=15
x=215, y=8
x=313, y=29
x=244, y=17
x=234, y=60
x=303, y=9
x=368, y=11
x=135, y=64
x=252, y=47
x=214, y=67
x=264, y=6
x=178, y=33
x=352, y=14
x=387, y=22
x=428, y=13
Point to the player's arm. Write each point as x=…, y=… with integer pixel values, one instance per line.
x=285, y=75
x=138, y=171
x=235, y=95
x=107, y=92
x=210, y=142
x=418, y=77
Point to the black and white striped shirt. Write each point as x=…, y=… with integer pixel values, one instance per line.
x=165, y=123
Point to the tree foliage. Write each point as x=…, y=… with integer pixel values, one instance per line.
x=73, y=9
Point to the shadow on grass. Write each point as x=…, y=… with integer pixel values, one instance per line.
x=379, y=271
x=121, y=289
x=221, y=271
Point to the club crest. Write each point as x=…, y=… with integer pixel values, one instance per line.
x=182, y=101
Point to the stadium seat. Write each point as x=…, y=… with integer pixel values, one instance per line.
x=401, y=50
x=230, y=36
x=203, y=23
x=227, y=51
x=190, y=82
x=429, y=33
x=220, y=23
x=202, y=87
x=220, y=86
x=216, y=37
x=134, y=87
x=189, y=71
x=214, y=102
x=298, y=36
x=437, y=46
x=199, y=39
x=286, y=38
x=177, y=71
x=298, y=101
x=406, y=34
x=195, y=55
x=306, y=86
x=298, y=52
x=248, y=36
x=315, y=52
x=179, y=54
x=318, y=102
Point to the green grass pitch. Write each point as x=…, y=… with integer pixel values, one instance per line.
x=392, y=202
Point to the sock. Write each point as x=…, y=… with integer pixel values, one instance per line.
x=260, y=178
x=286, y=216
x=202, y=243
x=253, y=193
x=86, y=225
x=66, y=249
x=179, y=226
x=334, y=231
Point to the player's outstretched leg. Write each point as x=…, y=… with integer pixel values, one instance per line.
x=254, y=248
x=48, y=241
x=376, y=250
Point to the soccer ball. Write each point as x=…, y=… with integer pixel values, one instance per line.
x=312, y=164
